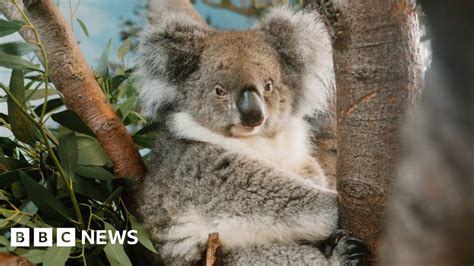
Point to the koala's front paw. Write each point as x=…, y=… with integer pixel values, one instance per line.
x=342, y=249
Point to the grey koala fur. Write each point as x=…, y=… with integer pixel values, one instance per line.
x=258, y=187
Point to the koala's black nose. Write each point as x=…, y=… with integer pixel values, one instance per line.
x=250, y=106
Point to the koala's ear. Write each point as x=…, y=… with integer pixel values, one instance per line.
x=173, y=49
x=167, y=55
x=304, y=47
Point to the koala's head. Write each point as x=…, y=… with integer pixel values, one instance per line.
x=237, y=84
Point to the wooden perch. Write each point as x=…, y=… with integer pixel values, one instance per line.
x=213, y=250
x=72, y=76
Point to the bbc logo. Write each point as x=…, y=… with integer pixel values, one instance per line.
x=43, y=237
x=66, y=237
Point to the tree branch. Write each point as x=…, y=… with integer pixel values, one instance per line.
x=73, y=78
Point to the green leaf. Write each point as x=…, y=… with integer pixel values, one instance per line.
x=123, y=49
x=4, y=195
x=9, y=27
x=68, y=151
x=90, y=188
x=116, y=82
x=83, y=27
x=126, y=107
x=11, y=164
x=56, y=256
x=43, y=199
x=103, y=66
x=94, y=172
x=16, y=62
x=114, y=195
x=40, y=93
x=51, y=105
x=145, y=141
x=72, y=121
x=7, y=145
x=18, y=190
x=4, y=242
x=33, y=255
x=143, y=236
x=9, y=178
x=90, y=152
x=21, y=126
x=17, y=48
x=15, y=218
x=115, y=252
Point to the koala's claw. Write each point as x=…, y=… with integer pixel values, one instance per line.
x=357, y=256
x=346, y=249
x=355, y=245
x=335, y=237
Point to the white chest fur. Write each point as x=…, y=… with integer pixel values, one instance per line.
x=288, y=151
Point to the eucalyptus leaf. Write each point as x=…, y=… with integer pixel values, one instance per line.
x=9, y=178
x=115, y=252
x=68, y=151
x=94, y=172
x=123, y=49
x=83, y=27
x=11, y=164
x=4, y=242
x=89, y=188
x=90, y=152
x=16, y=62
x=17, y=48
x=21, y=126
x=72, y=121
x=40, y=93
x=33, y=255
x=9, y=27
x=143, y=236
x=126, y=107
x=117, y=81
x=56, y=256
x=7, y=145
x=145, y=141
x=103, y=66
x=50, y=106
x=43, y=199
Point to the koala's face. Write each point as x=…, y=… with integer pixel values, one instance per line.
x=237, y=84
x=238, y=89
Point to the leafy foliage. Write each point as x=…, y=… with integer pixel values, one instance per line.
x=53, y=172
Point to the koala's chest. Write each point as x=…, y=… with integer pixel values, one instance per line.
x=285, y=154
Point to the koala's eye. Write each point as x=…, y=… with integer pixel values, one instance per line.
x=219, y=90
x=268, y=86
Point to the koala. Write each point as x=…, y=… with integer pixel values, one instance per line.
x=233, y=154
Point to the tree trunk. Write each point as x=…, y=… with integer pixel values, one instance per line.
x=378, y=76
x=431, y=216
x=73, y=78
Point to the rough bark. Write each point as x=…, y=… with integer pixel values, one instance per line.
x=73, y=78
x=378, y=76
x=430, y=219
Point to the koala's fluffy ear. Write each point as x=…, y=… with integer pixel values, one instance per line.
x=305, y=52
x=167, y=55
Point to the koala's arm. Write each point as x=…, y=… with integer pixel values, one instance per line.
x=205, y=189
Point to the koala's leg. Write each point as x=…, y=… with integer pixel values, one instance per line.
x=342, y=250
